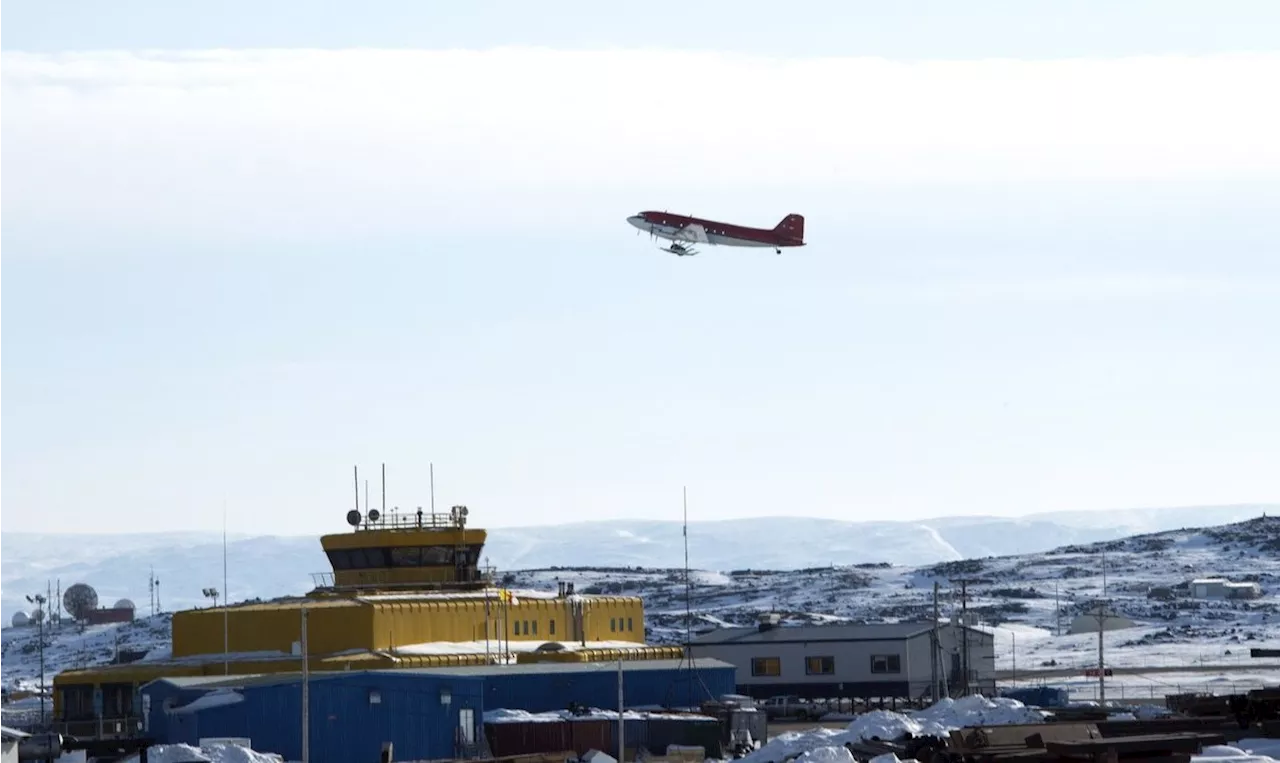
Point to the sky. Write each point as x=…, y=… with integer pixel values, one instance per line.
x=244, y=252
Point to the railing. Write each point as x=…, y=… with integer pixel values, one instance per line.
x=396, y=520
x=382, y=579
x=100, y=728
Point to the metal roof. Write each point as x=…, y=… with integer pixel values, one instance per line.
x=474, y=671
x=803, y=633
x=628, y=666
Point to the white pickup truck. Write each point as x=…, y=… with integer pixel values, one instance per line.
x=790, y=706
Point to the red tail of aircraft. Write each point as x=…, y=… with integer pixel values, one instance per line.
x=684, y=231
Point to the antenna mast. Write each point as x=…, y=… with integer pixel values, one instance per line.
x=432, y=468
x=688, y=597
x=226, y=631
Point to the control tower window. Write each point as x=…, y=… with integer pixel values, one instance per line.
x=406, y=556
x=437, y=555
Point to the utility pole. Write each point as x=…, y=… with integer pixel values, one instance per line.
x=933, y=653
x=226, y=629
x=40, y=600
x=1014, y=635
x=1102, y=671
x=1102, y=619
x=622, y=758
x=306, y=690
x=1057, y=611
x=964, y=638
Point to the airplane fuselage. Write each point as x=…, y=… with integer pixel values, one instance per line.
x=682, y=228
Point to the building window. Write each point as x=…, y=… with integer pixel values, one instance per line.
x=629, y=628
x=551, y=627
x=886, y=663
x=535, y=627
x=766, y=666
x=613, y=624
x=819, y=666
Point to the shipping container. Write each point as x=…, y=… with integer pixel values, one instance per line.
x=522, y=738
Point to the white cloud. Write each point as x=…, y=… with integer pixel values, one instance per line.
x=300, y=139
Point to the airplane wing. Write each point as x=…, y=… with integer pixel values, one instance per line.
x=692, y=233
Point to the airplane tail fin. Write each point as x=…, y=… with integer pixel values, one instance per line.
x=791, y=226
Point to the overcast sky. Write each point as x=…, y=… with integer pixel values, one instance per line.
x=243, y=252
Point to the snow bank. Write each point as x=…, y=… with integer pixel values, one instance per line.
x=827, y=755
x=215, y=698
x=936, y=721
x=978, y=711
x=219, y=753
x=555, y=716
x=1227, y=754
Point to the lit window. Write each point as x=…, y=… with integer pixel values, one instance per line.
x=819, y=666
x=766, y=666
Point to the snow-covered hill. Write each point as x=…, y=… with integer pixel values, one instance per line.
x=1027, y=600
x=1175, y=643
x=118, y=565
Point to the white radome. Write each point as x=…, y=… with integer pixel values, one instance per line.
x=125, y=604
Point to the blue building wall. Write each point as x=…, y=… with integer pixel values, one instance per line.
x=344, y=724
x=158, y=696
x=543, y=691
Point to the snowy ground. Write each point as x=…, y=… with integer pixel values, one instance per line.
x=1180, y=644
x=1027, y=600
x=70, y=646
x=826, y=745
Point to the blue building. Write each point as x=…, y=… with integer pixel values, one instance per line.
x=353, y=714
x=542, y=687
x=425, y=714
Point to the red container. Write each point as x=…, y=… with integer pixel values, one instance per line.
x=588, y=735
x=526, y=738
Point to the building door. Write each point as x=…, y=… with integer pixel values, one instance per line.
x=467, y=725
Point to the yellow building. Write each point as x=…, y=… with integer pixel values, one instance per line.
x=405, y=592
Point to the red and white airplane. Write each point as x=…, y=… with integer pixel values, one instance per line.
x=685, y=231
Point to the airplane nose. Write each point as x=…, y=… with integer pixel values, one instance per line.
x=636, y=220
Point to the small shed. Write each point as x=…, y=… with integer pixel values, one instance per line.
x=1221, y=588
x=1088, y=623
x=1209, y=588
x=9, y=741
x=1243, y=590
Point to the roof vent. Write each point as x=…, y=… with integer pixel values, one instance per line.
x=768, y=621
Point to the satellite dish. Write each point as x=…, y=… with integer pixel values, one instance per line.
x=353, y=518
x=79, y=600
x=374, y=515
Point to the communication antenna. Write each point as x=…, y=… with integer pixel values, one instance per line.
x=226, y=631
x=384, y=488
x=688, y=609
x=688, y=587
x=353, y=518
x=356, y=472
x=432, y=467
